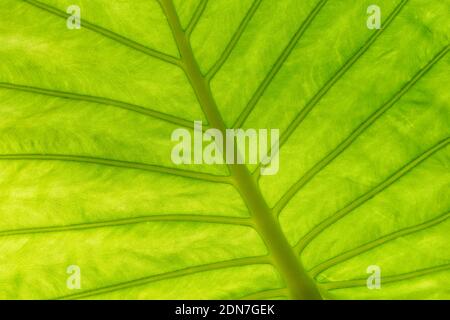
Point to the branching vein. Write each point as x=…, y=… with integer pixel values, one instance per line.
x=389, y=279
x=266, y=294
x=336, y=77
x=355, y=134
x=278, y=64
x=376, y=243
x=196, y=17
x=368, y=195
x=234, y=40
x=100, y=100
x=128, y=221
x=109, y=34
x=170, y=275
x=118, y=164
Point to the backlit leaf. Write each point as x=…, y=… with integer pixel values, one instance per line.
x=86, y=177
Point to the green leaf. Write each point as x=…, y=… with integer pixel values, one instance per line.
x=86, y=177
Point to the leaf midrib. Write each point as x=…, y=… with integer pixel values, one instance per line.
x=300, y=285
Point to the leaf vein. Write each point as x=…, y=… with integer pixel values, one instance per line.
x=335, y=78
x=303, y=243
x=100, y=100
x=266, y=294
x=196, y=18
x=234, y=40
x=278, y=64
x=109, y=34
x=245, y=222
x=390, y=279
x=119, y=164
x=376, y=243
x=339, y=74
x=239, y=262
x=310, y=174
